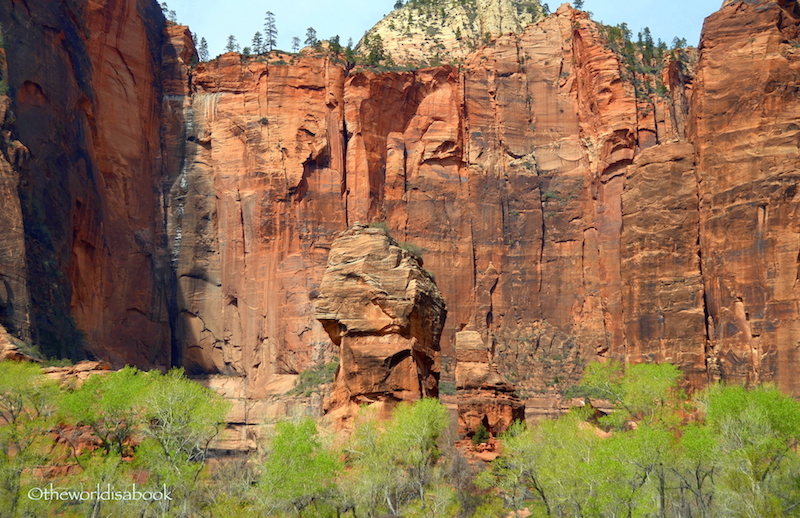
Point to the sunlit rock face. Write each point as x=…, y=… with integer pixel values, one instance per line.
x=161, y=213
x=423, y=33
x=746, y=135
x=485, y=397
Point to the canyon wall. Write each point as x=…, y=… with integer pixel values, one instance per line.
x=180, y=215
x=83, y=79
x=745, y=130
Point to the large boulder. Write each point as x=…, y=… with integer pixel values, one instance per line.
x=385, y=313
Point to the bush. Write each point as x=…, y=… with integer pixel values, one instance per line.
x=414, y=250
x=481, y=435
x=447, y=388
x=310, y=380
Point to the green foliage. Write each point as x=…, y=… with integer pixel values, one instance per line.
x=413, y=249
x=202, y=50
x=739, y=461
x=447, y=388
x=312, y=379
x=232, y=45
x=396, y=465
x=110, y=405
x=481, y=435
x=335, y=46
x=645, y=392
x=257, y=44
x=375, y=53
x=299, y=471
x=182, y=418
x=311, y=37
x=381, y=225
x=27, y=406
x=270, y=34
x=736, y=459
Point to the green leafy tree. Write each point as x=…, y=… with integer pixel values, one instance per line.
x=27, y=407
x=299, y=471
x=645, y=392
x=270, y=32
x=757, y=431
x=183, y=418
x=110, y=405
x=396, y=465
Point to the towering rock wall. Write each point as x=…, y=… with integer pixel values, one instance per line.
x=745, y=130
x=566, y=215
x=83, y=78
x=508, y=172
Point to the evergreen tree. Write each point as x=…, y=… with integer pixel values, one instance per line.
x=170, y=15
x=375, y=51
x=398, y=4
x=257, y=45
x=295, y=44
x=202, y=50
x=232, y=45
x=578, y=4
x=335, y=45
x=270, y=32
x=311, y=37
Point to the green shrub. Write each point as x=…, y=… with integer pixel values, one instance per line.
x=381, y=225
x=481, y=435
x=310, y=380
x=447, y=388
x=412, y=249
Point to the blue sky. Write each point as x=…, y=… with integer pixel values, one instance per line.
x=215, y=20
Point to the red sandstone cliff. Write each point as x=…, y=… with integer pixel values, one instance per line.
x=84, y=86
x=565, y=216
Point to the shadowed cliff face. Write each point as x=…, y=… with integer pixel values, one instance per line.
x=565, y=217
x=84, y=84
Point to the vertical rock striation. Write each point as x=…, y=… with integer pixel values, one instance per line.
x=84, y=82
x=160, y=213
x=745, y=131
